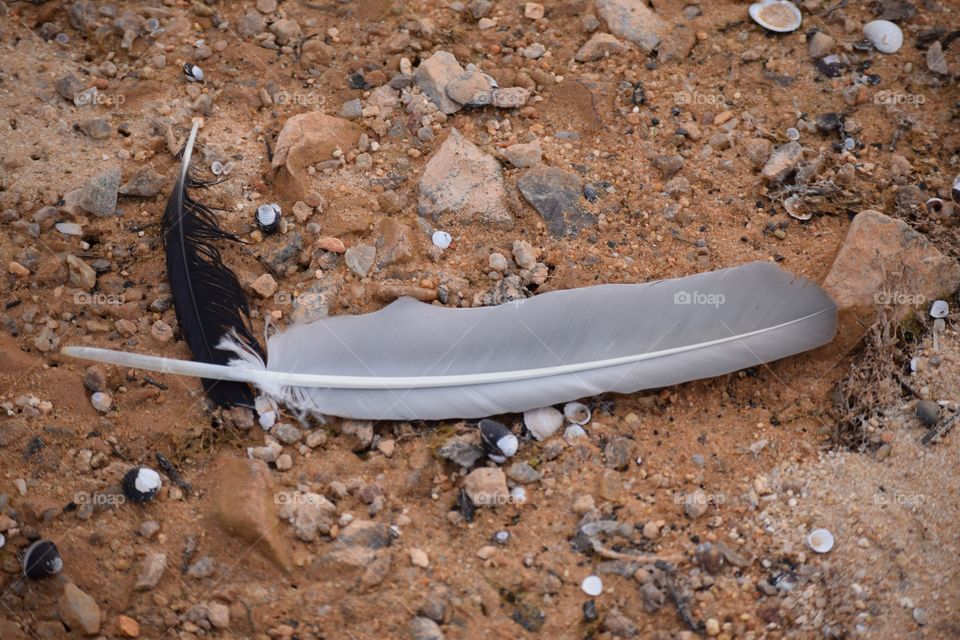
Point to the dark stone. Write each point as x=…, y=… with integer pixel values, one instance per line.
x=278, y=257
x=556, y=195
x=145, y=183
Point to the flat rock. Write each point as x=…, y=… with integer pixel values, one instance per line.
x=396, y=244
x=145, y=183
x=78, y=610
x=487, y=486
x=782, y=161
x=556, y=195
x=434, y=74
x=306, y=139
x=154, y=564
x=360, y=259
x=676, y=44
x=599, y=46
x=243, y=504
x=99, y=195
x=632, y=20
x=462, y=450
x=465, y=183
x=473, y=88
x=314, y=302
x=524, y=155
x=884, y=259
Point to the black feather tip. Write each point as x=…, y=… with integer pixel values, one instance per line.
x=207, y=297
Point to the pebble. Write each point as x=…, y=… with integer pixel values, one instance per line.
x=542, y=423
x=434, y=74
x=782, y=161
x=820, y=44
x=202, y=568
x=533, y=11
x=419, y=559
x=616, y=453
x=695, y=504
x=599, y=46
x=351, y=109
x=523, y=473
x=154, y=565
x=928, y=412
x=127, y=627
x=498, y=262
x=360, y=259
x=425, y=629
x=632, y=20
x=79, y=610
x=510, y=98
x=487, y=487
x=472, y=88
x=557, y=196
x=524, y=155
x=161, y=332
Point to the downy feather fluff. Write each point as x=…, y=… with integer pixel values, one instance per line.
x=208, y=299
x=415, y=361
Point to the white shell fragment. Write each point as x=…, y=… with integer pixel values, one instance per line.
x=576, y=413
x=442, y=239
x=267, y=419
x=573, y=432
x=147, y=480
x=519, y=495
x=820, y=540
x=592, y=586
x=193, y=72
x=776, y=15
x=955, y=190
x=885, y=35
x=543, y=423
x=939, y=309
x=790, y=204
x=3, y=541
x=216, y=168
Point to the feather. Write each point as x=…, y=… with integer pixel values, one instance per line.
x=207, y=297
x=415, y=361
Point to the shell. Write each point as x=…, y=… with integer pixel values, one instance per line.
x=885, y=36
x=592, y=586
x=193, y=72
x=776, y=15
x=3, y=541
x=573, y=432
x=933, y=206
x=42, y=560
x=141, y=484
x=790, y=204
x=820, y=540
x=268, y=217
x=543, y=423
x=441, y=239
x=576, y=413
x=955, y=191
x=939, y=309
x=216, y=168
x=498, y=440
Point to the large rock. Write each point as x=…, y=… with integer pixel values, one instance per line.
x=464, y=182
x=434, y=74
x=306, y=139
x=79, y=611
x=557, y=196
x=883, y=261
x=632, y=20
x=244, y=505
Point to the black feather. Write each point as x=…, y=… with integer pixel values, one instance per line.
x=207, y=296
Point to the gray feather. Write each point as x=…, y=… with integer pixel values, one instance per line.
x=414, y=361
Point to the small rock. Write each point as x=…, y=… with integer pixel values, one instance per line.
x=425, y=629
x=473, y=88
x=127, y=627
x=556, y=195
x=712, y=627
x=202, y=568
x=154, y=564
x=757, y=151
x=99, y=195
x=461, y=451
x=782, y=162
x=618, y=624
x=819, y=44
x=218, y=615
x=928, y=412
x=533, y=10
x=524, y=155
x=419, y=559
x=304, y=140
x=287, y=31
x=487, y=487
x=522, y=473
x=96, y=129
x=145, y=183
x=82, y=275
x=695, y=504
x=498, y=262
x=510, y=98
x=632, y=20
x=357, y=434
x=161, y=332
x=936, y=61
x=668, y=166
x=264, y=286
x=315, y=515
x=434, y=74
x=351, y=109
x=78, y=610
x=617, y=453
x=599, y=46
x=652, y=597
x=360, y=259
